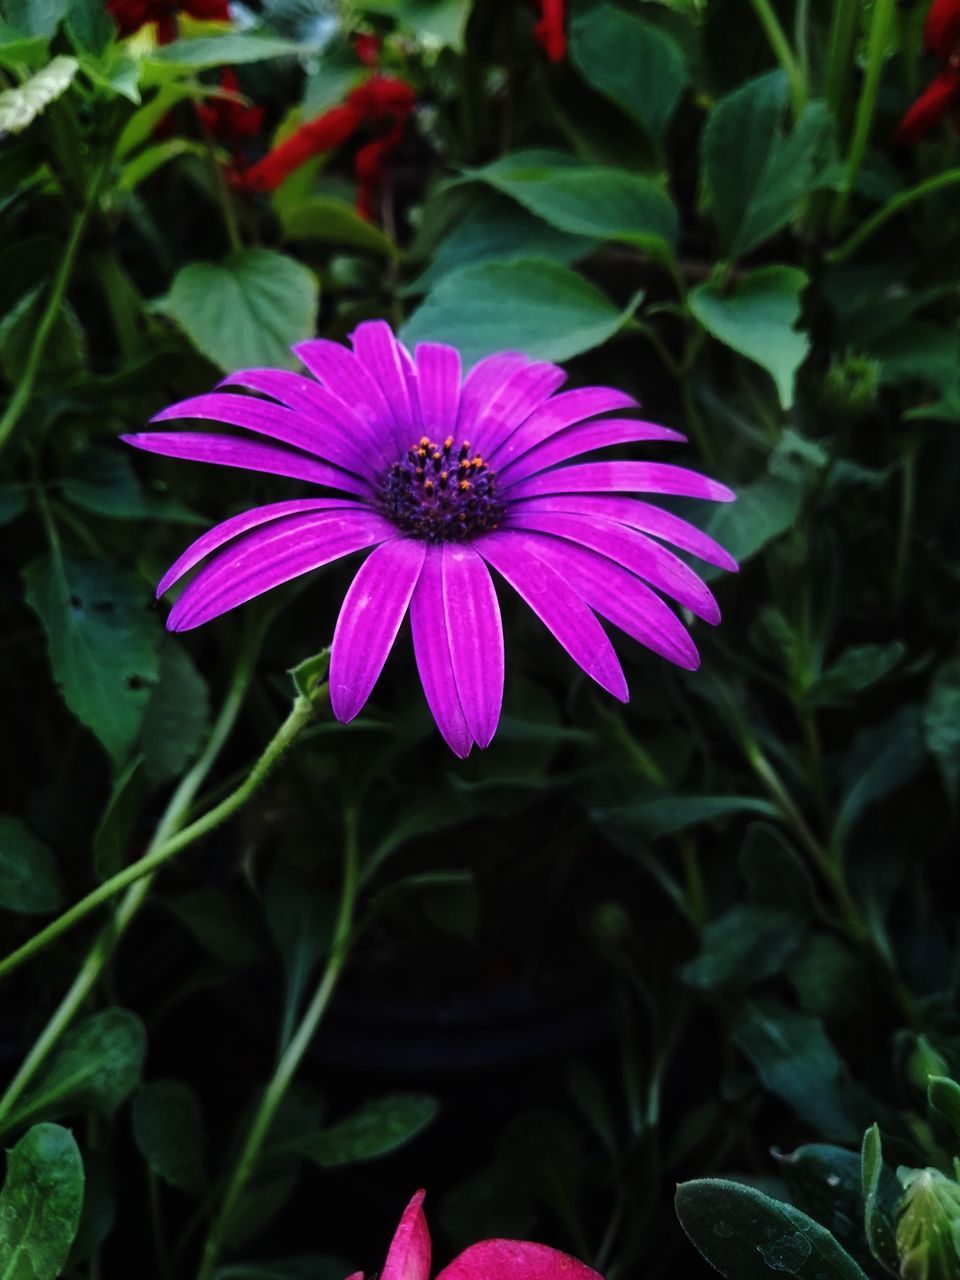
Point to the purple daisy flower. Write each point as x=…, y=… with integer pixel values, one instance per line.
x=446, y=477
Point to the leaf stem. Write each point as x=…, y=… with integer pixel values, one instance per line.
x=899, y=202
x=281, y=742
x=293, y=1054
x=785, y=56
x=841, y=41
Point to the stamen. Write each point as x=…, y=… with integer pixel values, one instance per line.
x=424, y=497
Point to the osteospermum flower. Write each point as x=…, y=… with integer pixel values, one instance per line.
x=441, y=479
x=410, y=1250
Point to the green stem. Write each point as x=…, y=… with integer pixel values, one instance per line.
x=881, y=18
x=281, y=742
x=293, y=1054
x=224, y=195
x=908, y=486
x=841, y=41
x=784, y=54
x=894, y=206
x=173, y=818
x=24, y=388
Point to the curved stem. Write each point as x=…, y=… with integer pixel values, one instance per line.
x=785, y=56
x=281, y=742
x=894, y=206
x=292, y=1055
x=173, y=817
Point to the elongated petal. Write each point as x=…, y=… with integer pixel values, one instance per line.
x=432, y=650
x=438, y=375
x=409, y=1255
x=559, y=412
x=369, y=620
x=475, y=635
x=636, y=552
x=345, y=377
x=623, y=477
x=227, y=530
x=231, y=451
x=582, y=439
x=324, y=438
x=556, y=604
x=515, y=1260
x=639, y=515
x=261, y=560
x=482, y=382
x=377, y=350
x=523, y=392
x=619, y=595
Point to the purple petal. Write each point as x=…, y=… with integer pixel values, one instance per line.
x=514, y=1260
x=319, y=437
x=376, y=349
x=482, y=382
x=624, y=477
x=560, y=411
x=556, y=604
x=438, y=375
x=475, y=635
x=369, y=620
x=636, y=552
x=230, y=451
x=582, y=439
x=345, y=377
x=643, y=516
x=619, y=595
x=524, y=391
x=285, y=549
x=432, y=650
x=408, y=1257
x=232, y=528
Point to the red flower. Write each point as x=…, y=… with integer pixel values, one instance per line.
x=383, y=101
x=228, y=120
x=367, y=49
x=549, y=30
x=941, y=33
x=131, y=15
x=940, y=97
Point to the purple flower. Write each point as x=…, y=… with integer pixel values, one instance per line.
x=444, y=478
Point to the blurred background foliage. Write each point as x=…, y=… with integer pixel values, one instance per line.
x=707, y=938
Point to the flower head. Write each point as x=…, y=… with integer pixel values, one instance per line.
x=941, y=35
x=131, y=15
x=441, y=479
x=228, y=119
x=409, y=1257
x=549, y=30
x=941, y=32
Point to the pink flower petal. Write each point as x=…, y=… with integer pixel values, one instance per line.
x=475, y=636
x=523, y=391
x=409, y=1255
x=559, y=412
x=515, y=1260
x=369, y=620
x=582, y=439
x=377, y=350
x=482, y=382
x=623, y=477
x=345, y=377
x=438, y=375
x=431, y=647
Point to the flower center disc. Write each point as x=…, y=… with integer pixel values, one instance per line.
x=440, y=493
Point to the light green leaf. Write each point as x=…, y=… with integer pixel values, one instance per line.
x=29, y=877
x=89, y=27
x=880, y=1195
x=746, y=1235
x=247, y=310
x=632, y=62
x=756, y=316
x=169, y=1132
x=149, y=159
x=35, y=17
x=587, y=200
x=762, y=512
x=334, y=221
x=436, y=22
x=177, y=717
x=232, y=49
x=103, y=643
x=530, y=305
x=96, y=1067
x=40, y=1204
x=379, y=1127
x=20, y=107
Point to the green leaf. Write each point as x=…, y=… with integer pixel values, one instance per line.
x=635, y=64
x=880, y=1195
x=532, y=305
x=301, y=920
x=106, y=483
x=66, y=349
x=89, y=27
x=177, y=718
x=744, y=946
x=941, y=724
x=103, y=644
x=586, y=200
x=379, y=1127
x=13, y=502
x=35, y=17
x=943, y=1094
x=247, y=310
x=746, y=1235
x=757, y=174
x=40, y=1204
x=795, y=1060
x=756, y=315
x=232, y=48
x=774, y=872
x=928, y=1242
x=112, y=838
x=223, y=922
x=856, y=669
x=29, y=877
x=169, y=1132
x=96, y=1067
x=824, y=1181
x=434, y=22
x=333, y=221
x=20, y=107
x=882, y=759
x=309, y=675
x=762, y=512
x=665, y=815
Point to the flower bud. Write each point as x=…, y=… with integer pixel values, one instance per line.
x=851, y=385
x=928, y=1225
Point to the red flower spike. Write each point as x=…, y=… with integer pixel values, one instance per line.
x=549, y=30
x=229, y=121
x=932, y=107
x=367, y=48
x=323, y=134
x=941, y=33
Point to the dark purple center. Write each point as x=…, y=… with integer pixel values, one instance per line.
x=441, y=493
